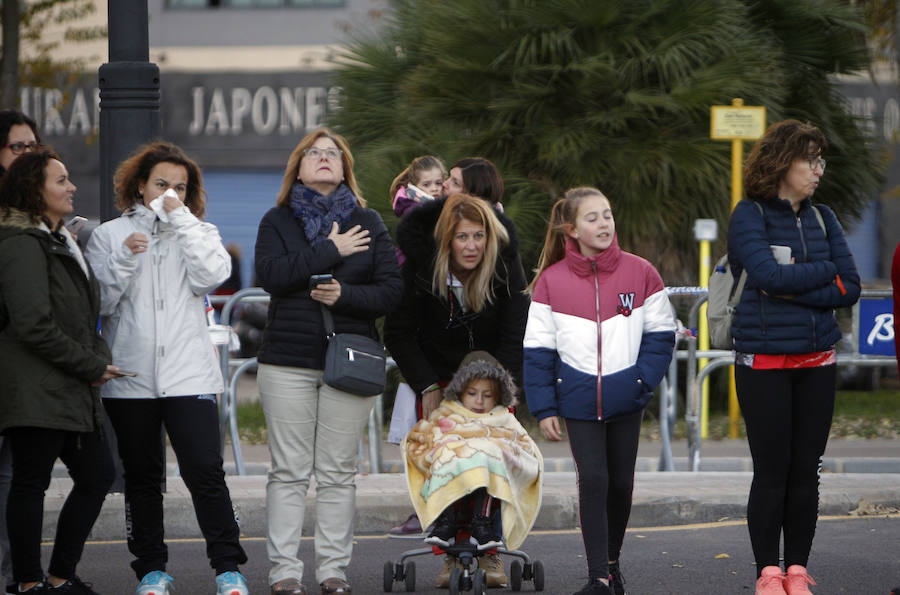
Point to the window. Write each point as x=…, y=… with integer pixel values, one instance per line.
x=254, y=3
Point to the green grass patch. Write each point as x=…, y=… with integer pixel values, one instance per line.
x=857, y=414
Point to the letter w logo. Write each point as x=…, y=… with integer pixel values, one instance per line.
x=626, y=304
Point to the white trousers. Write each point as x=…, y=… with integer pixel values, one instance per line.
x=313, y=429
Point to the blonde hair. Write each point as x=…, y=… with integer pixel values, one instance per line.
x=562, y=218
x=413, y=172
x=293, y=165
x=477, y=288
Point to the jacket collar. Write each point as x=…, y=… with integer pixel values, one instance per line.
x=141, y=215
x=583, y=266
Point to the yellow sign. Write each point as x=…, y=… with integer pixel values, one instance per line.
x=729, y=122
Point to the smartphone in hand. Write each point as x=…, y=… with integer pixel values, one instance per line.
x=128, y=373
x=319, y=279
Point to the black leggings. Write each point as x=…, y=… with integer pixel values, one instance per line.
x=605, y=453
x=193, y=428
x=788, y=416
x=34, y=450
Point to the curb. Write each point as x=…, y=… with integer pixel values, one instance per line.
x=660, y=498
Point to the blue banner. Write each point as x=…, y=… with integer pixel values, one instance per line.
x=876, y=326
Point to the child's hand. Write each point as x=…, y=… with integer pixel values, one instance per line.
x=550, y=428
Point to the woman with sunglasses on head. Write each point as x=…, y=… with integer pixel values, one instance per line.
x=799, y=269
x=320, y=247
x=51, y=360
x=156, y=263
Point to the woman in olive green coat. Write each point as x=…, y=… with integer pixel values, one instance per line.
x=51, y=361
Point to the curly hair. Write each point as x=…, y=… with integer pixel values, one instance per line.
x=135, y=171
x=772, y=156
x=22, y=187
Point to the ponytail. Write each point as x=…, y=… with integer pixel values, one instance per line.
x=554, y=248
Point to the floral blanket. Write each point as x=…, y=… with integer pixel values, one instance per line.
x=456, y=451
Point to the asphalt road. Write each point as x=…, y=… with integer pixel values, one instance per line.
x=858, y=556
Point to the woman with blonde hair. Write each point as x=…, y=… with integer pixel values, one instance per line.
x=156, y=263
x=318, y=248
x=464, y=291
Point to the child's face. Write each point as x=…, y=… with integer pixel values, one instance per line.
x=479, y=396
x=430, y=181
x=594, y=227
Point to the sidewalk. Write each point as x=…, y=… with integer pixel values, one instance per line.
x=659, y=498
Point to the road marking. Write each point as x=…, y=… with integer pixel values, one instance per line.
x=692, y=527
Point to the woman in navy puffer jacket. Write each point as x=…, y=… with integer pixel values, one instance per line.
x=799, y=269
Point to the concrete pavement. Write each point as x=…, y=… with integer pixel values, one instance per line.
x=659, y=498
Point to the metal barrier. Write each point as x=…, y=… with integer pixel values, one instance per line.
x=228, y=421
x=719, y=358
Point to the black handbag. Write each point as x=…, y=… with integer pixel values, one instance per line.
x=355, y=364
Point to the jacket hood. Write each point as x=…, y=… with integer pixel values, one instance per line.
x=482, y=365
x=415, y=235
x=583, y=266
x=15, y=222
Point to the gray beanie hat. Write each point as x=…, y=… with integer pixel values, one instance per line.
x=481, y=364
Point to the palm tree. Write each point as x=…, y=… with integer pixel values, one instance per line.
x=614, y=94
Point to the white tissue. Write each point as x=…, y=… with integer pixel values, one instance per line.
x=157, y=205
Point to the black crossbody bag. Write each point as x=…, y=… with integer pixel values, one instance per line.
x=354, y=363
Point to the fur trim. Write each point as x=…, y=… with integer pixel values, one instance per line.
x=17, y=218
x=482, y=365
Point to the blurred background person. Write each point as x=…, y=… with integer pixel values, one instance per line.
x=784, y=331
x=320, y=226
x=19, y=135
x=51, y=360
x=156, y=263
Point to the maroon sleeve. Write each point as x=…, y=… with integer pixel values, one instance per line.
x=895, y=281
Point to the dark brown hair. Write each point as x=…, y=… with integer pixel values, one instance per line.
x=481, y=178
x=22, y=186
x=772, y=156
x=135, y=171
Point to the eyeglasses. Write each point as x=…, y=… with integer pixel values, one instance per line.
x=316, y=153
x=816, y=161
x=19, y=148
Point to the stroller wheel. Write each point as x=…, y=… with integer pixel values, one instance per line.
x=538, y=575
x=515, y=575
x=409, y=576
x=479, y=582
x=388, y=578
x=455, y=580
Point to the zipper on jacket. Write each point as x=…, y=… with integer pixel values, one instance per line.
x=599, y=346
x=802, y=238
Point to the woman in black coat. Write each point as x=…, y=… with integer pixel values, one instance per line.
x=51, y=360
x=320, y=227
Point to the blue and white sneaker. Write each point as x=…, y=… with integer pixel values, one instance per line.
x=156, y=582
x=232, y=583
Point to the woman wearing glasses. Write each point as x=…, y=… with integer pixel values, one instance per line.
x=19, y=134
x=799, y=269
x=320, y=227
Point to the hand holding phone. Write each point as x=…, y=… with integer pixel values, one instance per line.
x=120, y=372
x=319, y=280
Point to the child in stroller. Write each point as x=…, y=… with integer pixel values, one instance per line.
x=473, y=470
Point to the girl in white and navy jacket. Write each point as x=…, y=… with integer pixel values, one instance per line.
x=599, y=339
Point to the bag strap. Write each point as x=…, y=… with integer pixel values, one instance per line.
x=329, y=321
x=737, y=290
x=819, y=217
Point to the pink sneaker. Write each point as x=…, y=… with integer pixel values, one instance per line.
x=769, y=581
x=796, y=580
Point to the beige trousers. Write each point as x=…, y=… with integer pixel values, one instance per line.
x=313, y=429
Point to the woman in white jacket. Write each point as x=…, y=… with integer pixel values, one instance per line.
x=155, y=264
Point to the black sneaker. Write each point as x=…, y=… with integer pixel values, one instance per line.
x=594, y=586
x=616, y=580
x=482, y=533
x=444, y=532
x=73, y=586
x=38, y=589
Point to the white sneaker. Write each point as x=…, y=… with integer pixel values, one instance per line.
x=232, y=583
x=155, y=583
